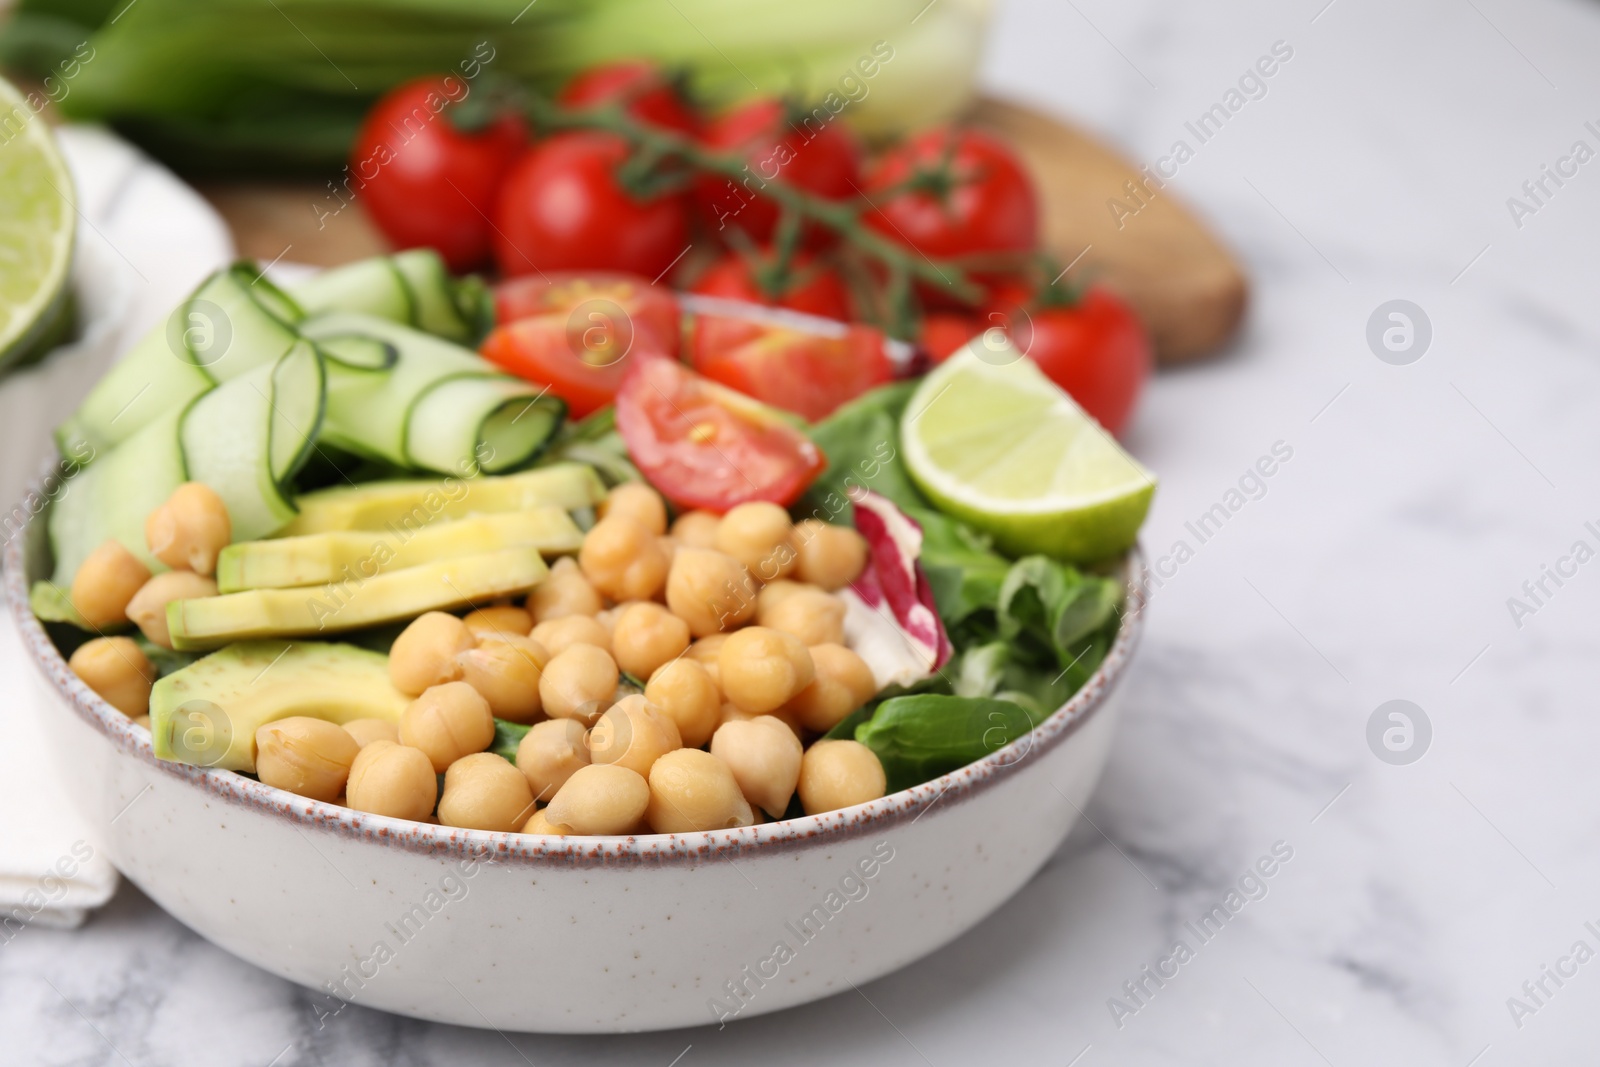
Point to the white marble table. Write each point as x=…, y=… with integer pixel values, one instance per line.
x=1375, y=564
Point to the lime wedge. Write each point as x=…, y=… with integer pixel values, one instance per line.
x=993, y=441
x=36, y=230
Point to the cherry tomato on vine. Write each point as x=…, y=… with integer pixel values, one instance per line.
x=579, y=332
x=563, y=207
x=645, y=90
x=706, y=446
x=819, y=155
x=800, y=372
x=1094, y=348
x=426, y=183
x=953, y=193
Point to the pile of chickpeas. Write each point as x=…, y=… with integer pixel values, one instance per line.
x=112, y=588
x=729, y=623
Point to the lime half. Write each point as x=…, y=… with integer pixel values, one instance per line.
x=993, y=441
x=36, y=229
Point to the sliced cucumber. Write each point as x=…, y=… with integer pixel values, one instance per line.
x=441, y=305
x=409, y=506
x=498, y=420
x=359, y=352
x=372, y=286
x=233, y=323
x=479, y=417
x=248, y=438
x=315, y=559
x=112, y=497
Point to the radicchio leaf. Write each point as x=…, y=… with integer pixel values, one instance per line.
x=890, y=618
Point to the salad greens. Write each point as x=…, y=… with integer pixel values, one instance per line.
x=1028, y=633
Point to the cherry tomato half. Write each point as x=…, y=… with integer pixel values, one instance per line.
x=945, y=331
x=706, y=446
x=800, y=372
x=644, y=89
x=806, y=286
x=1095, y=349
x=579, y=332
x=562, y=208
x=819, y=155
x=426, y=183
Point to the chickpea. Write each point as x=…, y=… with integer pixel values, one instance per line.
x=600, y=799
x=306, y=756
x=734, y=713
x=827, y=555
x=148, y=608
x=484, y=791
x=505, y=671
x=391, y=779
x=499, y=621
x=639, y=502
x=578, y=684
x=633, y=734
x=558, y=635
x=550, y=753
x=190, y=529
x=707, y=651
x=709, y=590
x=564, y=591
x=693, y=791
x=424, y=655
x=622, y=559
x=843, y=683
x=696, y=529
x=366, y=731
x=447, y=722
x=760, y=536
x=648, y=635
x=118, y=671
x=539, y=823
x=807, y=612
x=760, y=669
x=764, y=755
x=669, y=548
x=104, y=584
x=839, y=774
x=686, y=694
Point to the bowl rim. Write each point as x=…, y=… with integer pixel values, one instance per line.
x=541, y=851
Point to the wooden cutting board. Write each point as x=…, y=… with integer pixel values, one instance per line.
x=1186, y=286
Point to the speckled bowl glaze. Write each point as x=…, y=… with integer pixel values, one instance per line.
x=646, y=933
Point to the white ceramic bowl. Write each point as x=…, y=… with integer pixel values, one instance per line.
x=650, y=932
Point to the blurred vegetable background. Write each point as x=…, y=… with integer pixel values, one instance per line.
x=239, y=86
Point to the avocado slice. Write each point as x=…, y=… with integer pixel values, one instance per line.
x=315, y=559
x=207, y=713
x=412, y=505
x=364, y=599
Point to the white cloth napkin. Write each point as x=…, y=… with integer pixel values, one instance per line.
x=145, y=240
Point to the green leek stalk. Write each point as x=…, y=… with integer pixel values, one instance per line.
x=233, y=84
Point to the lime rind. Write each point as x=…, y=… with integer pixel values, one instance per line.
x=1000, y=446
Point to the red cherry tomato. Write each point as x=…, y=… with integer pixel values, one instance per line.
x=819, y=156
x=953, y=193
x=562, y=208
x=426, y=183
x=806, y=287
x=705, y=446
x=644, y=88
x=800, y=372
x=579, y=333
x=1095, y=349
x=945, y=331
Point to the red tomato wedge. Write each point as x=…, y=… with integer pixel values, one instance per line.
x=799, y=372
x=579, y=332
x=806, y=287
x=705, y=446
